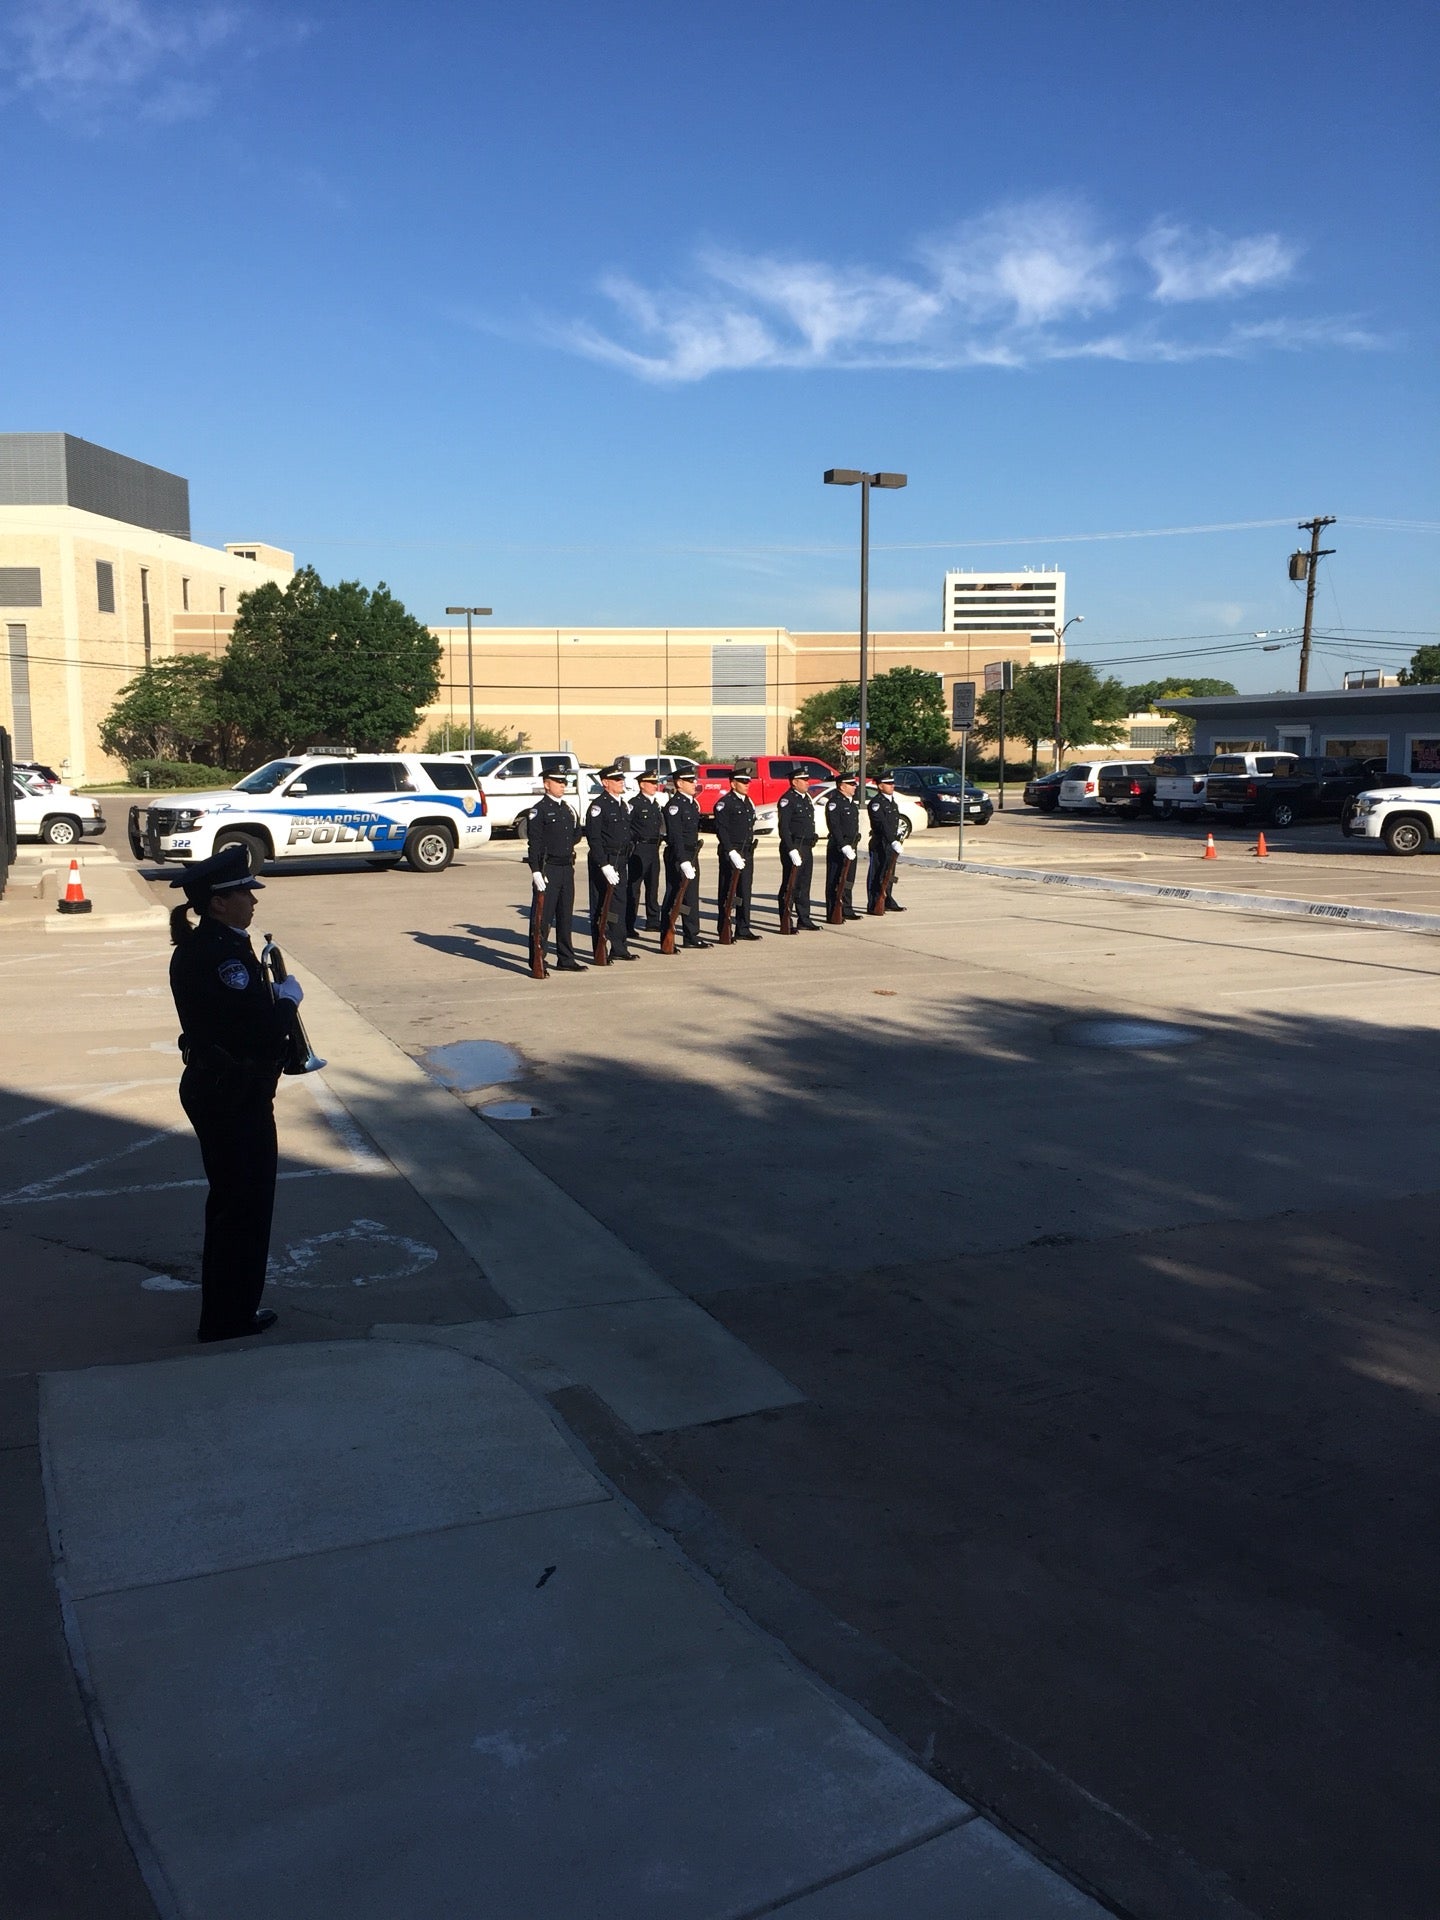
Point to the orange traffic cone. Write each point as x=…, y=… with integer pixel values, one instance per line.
x=74, y=901
x=1210, y=853
x=1262, y=852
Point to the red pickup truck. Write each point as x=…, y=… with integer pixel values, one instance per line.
x=769, y=779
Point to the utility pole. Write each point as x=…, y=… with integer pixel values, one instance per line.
x=1303, y=566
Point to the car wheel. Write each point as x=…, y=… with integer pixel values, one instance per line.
x=61, y=831
x=429, y=849
x=1164, y=809
x=1282, y=814
x=520, y=825
x=1403, y=836
x=256, y=851
x=904, y=829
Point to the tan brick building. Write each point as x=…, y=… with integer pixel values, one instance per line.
x=98, y=575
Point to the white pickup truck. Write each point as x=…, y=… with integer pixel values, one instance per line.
x=54, y=815
x=1180, y=783
x=511, y=785
x=1407, y=818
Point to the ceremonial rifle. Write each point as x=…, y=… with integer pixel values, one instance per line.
x=727, y=907
x=672, y=919
x=600, y=931
x=787, y=895
x=538, y=968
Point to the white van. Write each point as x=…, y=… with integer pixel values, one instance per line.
x=511, y=785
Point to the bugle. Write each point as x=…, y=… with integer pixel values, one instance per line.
x=300, y=1056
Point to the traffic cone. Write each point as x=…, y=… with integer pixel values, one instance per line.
x=74, y=901
x=1262, y=852
x=1210, y=853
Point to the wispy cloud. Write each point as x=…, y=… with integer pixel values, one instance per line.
x=83, y=62
x=1207, y=266
x=1024, y=283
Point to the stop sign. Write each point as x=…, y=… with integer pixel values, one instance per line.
x=850, y=737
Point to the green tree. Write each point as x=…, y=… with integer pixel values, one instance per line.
x=1091, y=709
x=1144, y=696
x=684, y=744
x=450, y=738
x=905, y=708
x=325, y=666
x=167, y=712
x=1423, y=670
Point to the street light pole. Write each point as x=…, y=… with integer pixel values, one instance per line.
x=469, y=613
x=852, y=477
x=1060, y=633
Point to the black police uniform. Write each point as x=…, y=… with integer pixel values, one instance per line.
x=842, y=820
x=233, y=1040
x=607, y=828
x=647, y=829
x=797, y=834
x=682, y=843
x=884, y=833
x=734, y=818
x=550, y=836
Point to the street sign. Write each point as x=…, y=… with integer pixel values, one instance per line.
x=1000, y=676
x=850, y=737
x=962, y=712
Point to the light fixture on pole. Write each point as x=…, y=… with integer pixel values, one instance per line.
x=851, y=477
x=1076, y=619
x=469, y=613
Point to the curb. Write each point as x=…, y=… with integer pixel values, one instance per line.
x=1395, y=919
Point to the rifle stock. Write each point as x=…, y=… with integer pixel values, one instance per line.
x=836, y=915
x=727, y=908
x=538, y=968
x=787, y=894
x=887, y=880
x=601, y=929
x=672, y=919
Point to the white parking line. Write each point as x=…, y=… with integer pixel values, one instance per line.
x=94, y=1093
x=363, y=1157
x=153, y=1186
x=37, y=1189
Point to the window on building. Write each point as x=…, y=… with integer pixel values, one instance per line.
x=185, y=596
x=1239, y=746
x=1359, y=748
x=1424, y=752
x=22, y=732
x=222, y=599
x=20, y=587
x=104, y=586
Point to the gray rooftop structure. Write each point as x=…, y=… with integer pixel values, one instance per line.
x=60, y=470
x=1400, y=723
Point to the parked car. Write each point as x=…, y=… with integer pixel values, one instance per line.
x=1079, y=787
x=769, y=778
x=1126, y=787
x=1406, y=817
x=511, y=784
x=383, y=808
x=54, y=815
x=913, y=817
x=662, y=764
x=1311, y=787
x=946, y=798
x=1180, y=780
x=1043, y=792
x=37, y=774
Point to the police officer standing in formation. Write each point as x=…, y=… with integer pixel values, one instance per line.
x=734, y=819
x=796, y=814
x=607, y=828
x=647, y=828
x=884, y=846
x=235, y=1031
x=682, y=857
x=842, y=822
x=550, y=837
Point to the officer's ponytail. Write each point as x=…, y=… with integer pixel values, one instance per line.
x=180, y=927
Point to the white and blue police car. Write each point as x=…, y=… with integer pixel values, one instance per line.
x=381, y=808
x=1407, y=819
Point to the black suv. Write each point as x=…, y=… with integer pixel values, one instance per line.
x=944, y=796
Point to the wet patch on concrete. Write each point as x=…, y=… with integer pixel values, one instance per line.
x=465, y=1065
x=1125, y=1033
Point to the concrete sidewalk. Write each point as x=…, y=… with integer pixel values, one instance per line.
x=359, y=1627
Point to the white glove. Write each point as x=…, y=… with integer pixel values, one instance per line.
x=611, y=875
x=290, y=989
x=737, y=860
x=795, y=856
x=687, y=869
x=896, y=845
x=849, y=852
x=537, y=880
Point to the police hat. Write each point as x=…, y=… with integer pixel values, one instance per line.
x=885, y=779
x=562, y=774
x=647, y=776
x=800, y=773
x=684, y=773
x=741, y=776
x=224, y=872
x=611, y=773
x=846, y=779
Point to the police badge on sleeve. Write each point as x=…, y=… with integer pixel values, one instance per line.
x=235, y=974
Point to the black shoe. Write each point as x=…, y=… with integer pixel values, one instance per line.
x=266, y=1317
x=850, y=914
x=624, y=956
x=652, y=926
x=808, y=926
x=570, y=966
x=263, y=1320
x=698, y=944
x=895, y=907
x=747, y=935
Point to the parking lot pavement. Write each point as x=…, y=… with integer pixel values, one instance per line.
x=1115, y=1362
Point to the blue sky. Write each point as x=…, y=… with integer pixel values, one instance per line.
x=564, y=309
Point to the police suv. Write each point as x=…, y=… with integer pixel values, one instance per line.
x=380, y=808
x=1406, y=818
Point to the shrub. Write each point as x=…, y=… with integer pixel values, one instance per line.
x=177, y=773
